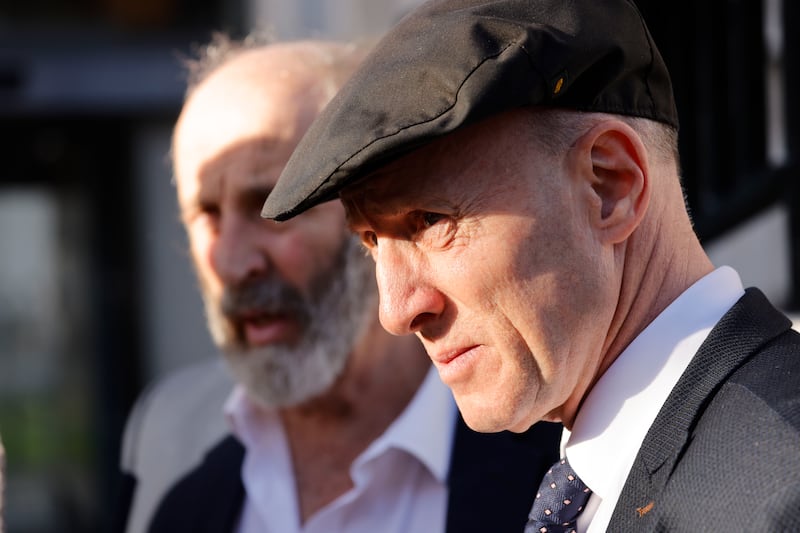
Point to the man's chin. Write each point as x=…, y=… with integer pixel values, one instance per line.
x=487, y=420
x=277, y=377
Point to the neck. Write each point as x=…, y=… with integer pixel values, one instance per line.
x=326, y=434
x=660, y=262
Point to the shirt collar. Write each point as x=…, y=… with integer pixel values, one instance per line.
x=619, y=410
x=424, y=429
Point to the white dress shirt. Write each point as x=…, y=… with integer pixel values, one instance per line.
x=619, y=410
x=399, y=480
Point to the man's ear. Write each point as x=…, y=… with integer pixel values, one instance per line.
x=613, y=161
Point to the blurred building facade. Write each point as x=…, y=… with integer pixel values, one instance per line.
x=97, y=295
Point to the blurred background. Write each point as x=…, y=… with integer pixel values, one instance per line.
x=97, y=296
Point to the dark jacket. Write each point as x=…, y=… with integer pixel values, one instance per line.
x=492, y=481
x=724, y=451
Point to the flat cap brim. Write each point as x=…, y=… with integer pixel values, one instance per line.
x=452, y=63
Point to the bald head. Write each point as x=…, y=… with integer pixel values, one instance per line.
x=270, y=93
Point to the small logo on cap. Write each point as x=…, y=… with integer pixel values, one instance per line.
x=559, y=85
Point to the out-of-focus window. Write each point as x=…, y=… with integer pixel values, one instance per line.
x=68, y=329
x=45, y=418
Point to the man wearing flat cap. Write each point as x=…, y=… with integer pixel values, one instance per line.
x=512, y=168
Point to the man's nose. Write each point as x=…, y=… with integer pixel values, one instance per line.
x=239, y=253
x=407, y=300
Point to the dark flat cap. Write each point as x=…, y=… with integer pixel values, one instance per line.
x=452, y=63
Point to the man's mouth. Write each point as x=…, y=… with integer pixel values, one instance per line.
x=456, y=364
x=446, y=356
x=262, y=329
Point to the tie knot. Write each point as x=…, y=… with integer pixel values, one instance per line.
x=560, y=499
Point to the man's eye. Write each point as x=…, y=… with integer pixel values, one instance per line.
x=435, y=230
x=207, y=214
x=207, y=209
x=429, y=219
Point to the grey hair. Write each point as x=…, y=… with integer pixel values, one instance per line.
x=556, y=129
x=335, y=61
x=221, y=49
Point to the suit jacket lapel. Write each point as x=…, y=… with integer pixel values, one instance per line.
x=493, y=477
x=751, y=322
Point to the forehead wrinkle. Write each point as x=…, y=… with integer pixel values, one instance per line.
x=246, y=152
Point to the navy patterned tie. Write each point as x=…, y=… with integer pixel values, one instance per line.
x=561, y=498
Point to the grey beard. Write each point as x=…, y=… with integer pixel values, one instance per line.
x=342, y=305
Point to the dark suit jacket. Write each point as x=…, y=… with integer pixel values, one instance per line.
x=492, y=482
x=724, y=451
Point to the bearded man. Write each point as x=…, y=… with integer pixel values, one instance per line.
x=333, y=424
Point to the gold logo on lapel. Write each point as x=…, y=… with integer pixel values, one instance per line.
x=646, y=509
